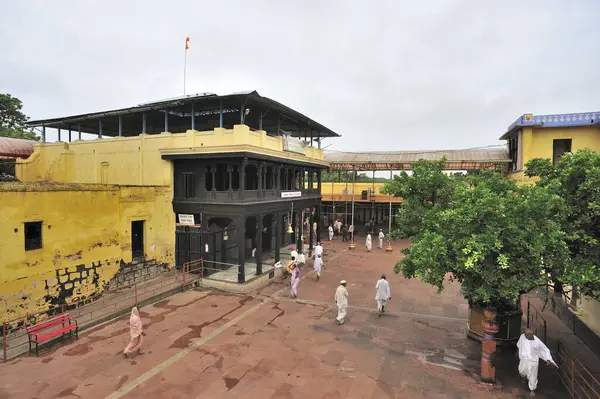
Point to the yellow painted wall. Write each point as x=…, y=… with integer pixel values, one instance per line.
x=82, y=225
x=137, y=160
x=537, y=143
x=335, y=192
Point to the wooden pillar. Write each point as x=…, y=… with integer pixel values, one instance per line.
x=259, y=234
x=230, y=172
x=278, y=233
x=213, y=171
x=242, y=175
x=241, y=241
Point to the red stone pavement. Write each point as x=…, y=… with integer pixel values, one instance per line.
x=209, y=344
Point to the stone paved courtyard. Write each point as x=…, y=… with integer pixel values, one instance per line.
x=209, y=344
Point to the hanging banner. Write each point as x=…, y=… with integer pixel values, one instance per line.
x=292, y=144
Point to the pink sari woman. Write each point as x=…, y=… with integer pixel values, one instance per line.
x=137, y=335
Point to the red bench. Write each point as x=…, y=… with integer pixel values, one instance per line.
x=52, y=328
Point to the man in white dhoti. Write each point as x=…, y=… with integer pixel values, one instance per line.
x=382, y=294
x=341, y=300
x=351, y=232
x=531, y=350
x=318, y=266
x=368, y=243
x=381, y=237
x=330, y=229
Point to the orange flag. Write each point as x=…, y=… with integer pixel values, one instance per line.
x=187, y=43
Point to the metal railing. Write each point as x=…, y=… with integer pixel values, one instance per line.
x=96, y=308
x=578, y=380
x=536, y=321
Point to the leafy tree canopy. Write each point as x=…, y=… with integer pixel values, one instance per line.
x=12, y=119
x=487, y=232
x=576, y=179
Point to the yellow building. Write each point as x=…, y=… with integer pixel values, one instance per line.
x=64, y=242
x=165, y=183
x=549, y=136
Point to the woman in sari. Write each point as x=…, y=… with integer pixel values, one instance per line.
x=136, y=333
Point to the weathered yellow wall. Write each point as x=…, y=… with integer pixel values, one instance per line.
x=137, y=160
x=537, y=143
x=85, y=237
x=335, y=192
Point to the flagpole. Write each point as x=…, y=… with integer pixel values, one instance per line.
x=187, y=41
x=184, y=67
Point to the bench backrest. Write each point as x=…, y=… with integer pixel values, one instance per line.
x=50, y=323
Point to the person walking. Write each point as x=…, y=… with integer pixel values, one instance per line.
x=318, y=266
x=341, y=300
x=382, y=294
x=295, y=280
x=368, y=243
x=136, y=333
x=330, y=229
x=381, y=237
x=531, y=350
x=344, y=233
x=351, y=232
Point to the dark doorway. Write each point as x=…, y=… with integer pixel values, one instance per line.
x=137, y=238
x=559, y=147
x=267, y=234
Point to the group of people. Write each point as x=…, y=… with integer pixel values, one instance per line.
x=338, y=228
x=382, y=295
x=530, y=348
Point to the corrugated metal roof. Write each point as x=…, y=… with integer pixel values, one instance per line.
x=15, y=148
x=472, y=158
x=203, y=98
x=468, y=155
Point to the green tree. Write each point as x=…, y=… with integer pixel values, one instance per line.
x=490, y=234
x=12, y=119
x=576, y=179
x=424, y=192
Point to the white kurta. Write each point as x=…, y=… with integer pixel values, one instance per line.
x=530, y=353
x=381, y=237
x=368, y=243
x=330, y=233
x=318, y=265
x=318, y=250
x=294, y=254
x=341, y=300
x=382, y=293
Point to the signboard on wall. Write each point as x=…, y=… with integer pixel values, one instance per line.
x=292, y=144
x=291, y=194
x=186, y=219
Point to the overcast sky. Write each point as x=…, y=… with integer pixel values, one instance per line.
x=387, y=75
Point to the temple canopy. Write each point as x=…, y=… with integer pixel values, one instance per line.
x=209, y=111
x=468, y=159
